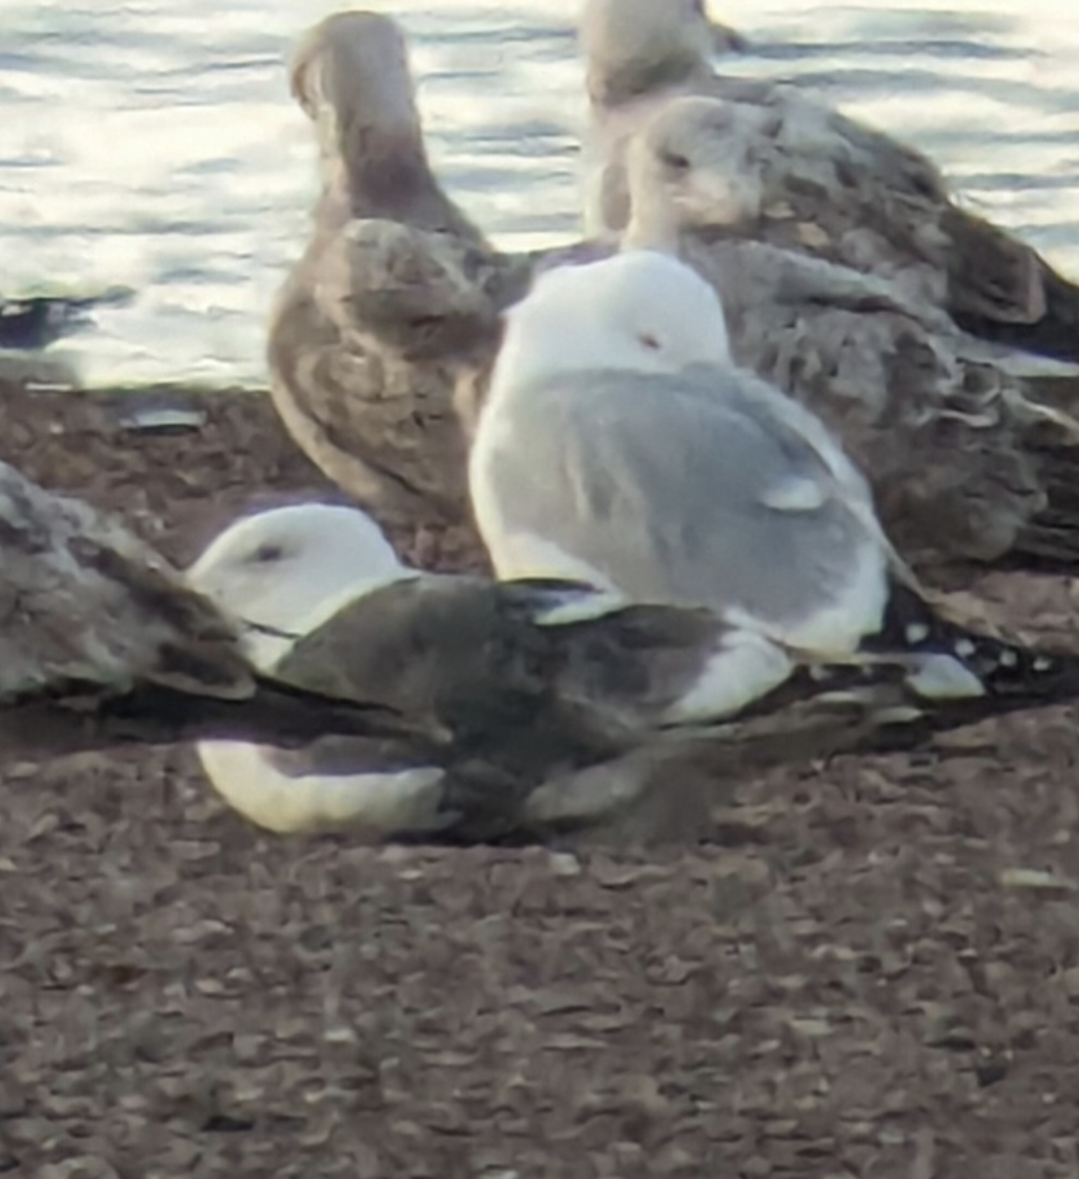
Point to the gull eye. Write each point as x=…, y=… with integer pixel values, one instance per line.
x=649, y=341
x=675, y=161
x=267, y=553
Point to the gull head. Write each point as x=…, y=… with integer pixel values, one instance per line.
x=350, y=74
x=694, y=163
x=635, y=47
x=290, y=569
x=640, y=311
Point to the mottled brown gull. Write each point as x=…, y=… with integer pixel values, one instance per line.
x=101, y=641
x=968, y=470
x=812, y=179
x=375, y=327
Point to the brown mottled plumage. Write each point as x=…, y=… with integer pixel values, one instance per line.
x=965, y=466
x=383, y=336
x=375, y=326
x=101, y=641
x=811, y=179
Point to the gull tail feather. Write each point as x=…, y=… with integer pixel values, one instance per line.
x=1002, y=290
x=858, y=708
x=1050, y=542
x=922, y=675
x=952, y=663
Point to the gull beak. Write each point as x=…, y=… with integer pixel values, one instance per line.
x=728, y=40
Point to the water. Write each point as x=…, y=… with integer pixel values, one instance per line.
x=153, y=144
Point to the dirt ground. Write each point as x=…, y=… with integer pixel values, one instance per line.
x=871, y=970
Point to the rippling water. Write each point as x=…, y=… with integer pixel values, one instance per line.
x=153, y=144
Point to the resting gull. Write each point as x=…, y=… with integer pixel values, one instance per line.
x=811, y=179
x=378, y=323
x=519, y=685
x=619, y=444
x=965, y=466
x=548, y=708
x=101, y=642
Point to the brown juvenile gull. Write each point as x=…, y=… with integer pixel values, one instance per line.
x=376, y=326
x=968, y=471
x=101, y=641
x=551, y=707
x=812, y=179
x=621, y=445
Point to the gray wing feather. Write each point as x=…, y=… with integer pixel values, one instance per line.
x=665, y=486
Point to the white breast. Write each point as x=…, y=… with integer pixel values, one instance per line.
x=382, y=804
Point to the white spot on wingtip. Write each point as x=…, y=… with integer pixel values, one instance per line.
x=917, y=632
x=1043, y=664
x=1008, y=658
x=940, y=677
x=965, y=648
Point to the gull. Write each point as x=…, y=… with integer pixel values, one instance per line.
x=539, y=709
x=102, y=642
x=521, y=687
x=620, y=444
x=968, y=470
x=809, y=178
x=378, y=323
x=382, y=336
